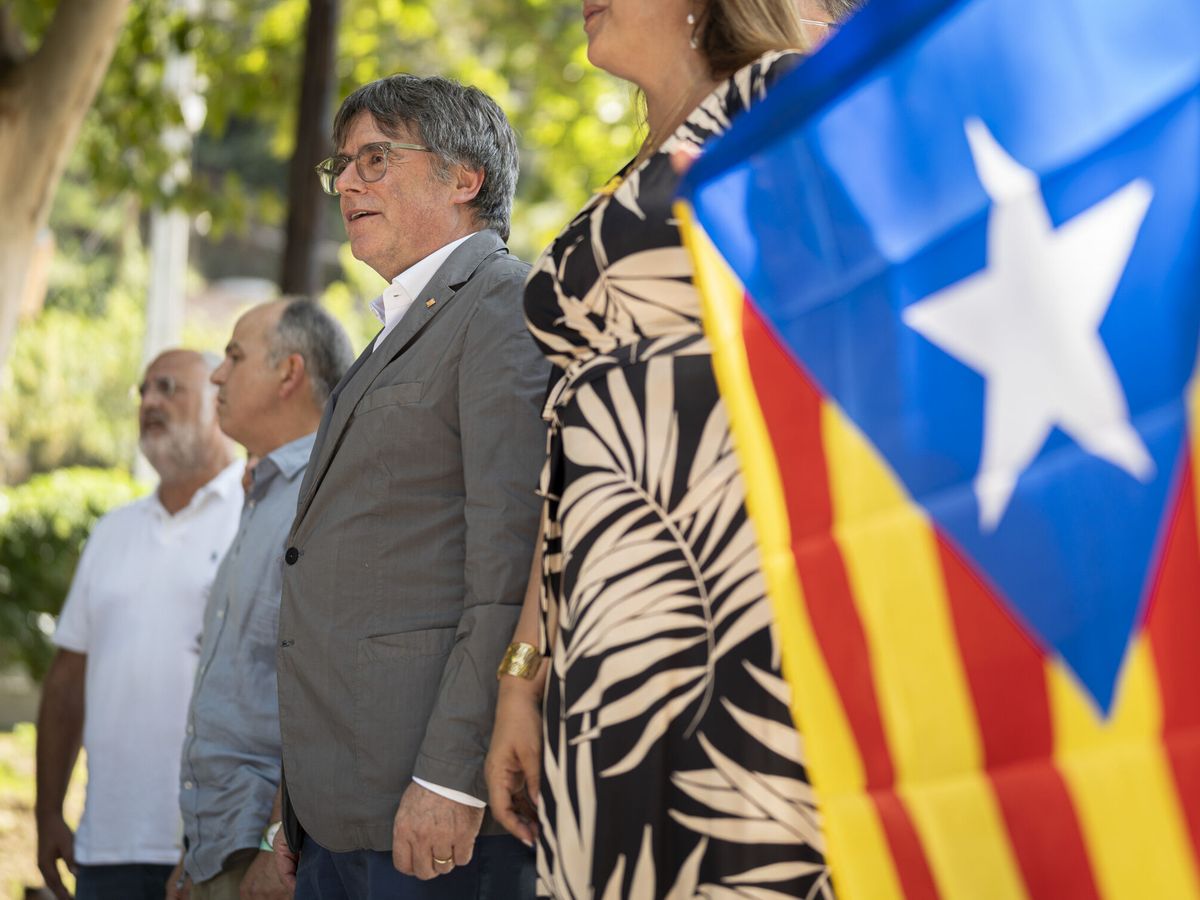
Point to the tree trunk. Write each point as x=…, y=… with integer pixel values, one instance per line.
x=43, y=101
x=306, y=202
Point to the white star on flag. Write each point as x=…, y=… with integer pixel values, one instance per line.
x=1029, y=323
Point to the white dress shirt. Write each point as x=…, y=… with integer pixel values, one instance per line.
x=390, y=307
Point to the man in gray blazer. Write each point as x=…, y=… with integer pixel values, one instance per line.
x=407, y=561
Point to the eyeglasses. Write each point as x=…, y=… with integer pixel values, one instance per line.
x=371, y=162
x=164, y=384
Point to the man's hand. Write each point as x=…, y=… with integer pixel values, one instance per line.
x=55, y=841
x=430, y=826
x=264, y=881
x=285, y=861
x=514, y=761
x=179, y=885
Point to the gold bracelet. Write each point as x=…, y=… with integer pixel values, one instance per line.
x=521, y=660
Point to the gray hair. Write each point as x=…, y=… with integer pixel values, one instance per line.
x=307, y=329
x=459, y=124
x=839, y=10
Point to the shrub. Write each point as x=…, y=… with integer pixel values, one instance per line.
x=43, y=525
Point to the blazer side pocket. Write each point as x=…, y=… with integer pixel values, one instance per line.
x=397, y=678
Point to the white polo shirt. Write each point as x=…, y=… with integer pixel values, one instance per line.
x=136, y=608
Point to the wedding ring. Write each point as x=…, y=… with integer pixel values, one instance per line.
x=442, y=862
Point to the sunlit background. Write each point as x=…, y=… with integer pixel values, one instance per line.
x=190, y=136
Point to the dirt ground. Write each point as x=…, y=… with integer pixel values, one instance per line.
x=18, y=836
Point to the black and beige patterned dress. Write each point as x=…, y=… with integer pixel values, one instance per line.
x=671, y=767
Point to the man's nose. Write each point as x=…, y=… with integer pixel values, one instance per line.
x=348, y=180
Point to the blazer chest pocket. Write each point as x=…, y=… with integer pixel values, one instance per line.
x=391, y=395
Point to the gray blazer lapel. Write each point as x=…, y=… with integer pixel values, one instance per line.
x=452, y=274
x=323, y=429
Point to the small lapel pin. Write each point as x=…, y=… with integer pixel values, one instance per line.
x=429, y=303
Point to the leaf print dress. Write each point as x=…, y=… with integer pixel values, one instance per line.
x=671, y=767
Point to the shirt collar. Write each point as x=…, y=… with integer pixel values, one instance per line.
x=290, y=459
x=405, y=287
x=225, y=484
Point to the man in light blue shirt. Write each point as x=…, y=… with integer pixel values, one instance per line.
x=280, y=365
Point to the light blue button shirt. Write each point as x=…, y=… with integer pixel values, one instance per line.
x=231, y=751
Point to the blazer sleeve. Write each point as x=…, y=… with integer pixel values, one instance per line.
x=502, y=379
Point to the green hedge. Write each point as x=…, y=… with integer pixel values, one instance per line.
x=43, y=525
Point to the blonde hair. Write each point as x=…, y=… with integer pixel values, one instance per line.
x=730, y=34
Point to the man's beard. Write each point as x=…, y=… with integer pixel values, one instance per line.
x=180, y=449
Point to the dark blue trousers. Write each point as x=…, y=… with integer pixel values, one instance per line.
x=501, y=869
x=130, y=881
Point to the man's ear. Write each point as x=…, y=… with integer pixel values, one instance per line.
x=293, y=375
x=467, y=182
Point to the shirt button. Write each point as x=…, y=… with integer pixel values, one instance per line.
x=220, y=613
x=291, y=556
x=187, y=785
x=191, y=730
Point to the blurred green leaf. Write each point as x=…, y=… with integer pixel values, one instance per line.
x=43, y=526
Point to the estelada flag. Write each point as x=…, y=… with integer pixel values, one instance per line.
x=952, y=277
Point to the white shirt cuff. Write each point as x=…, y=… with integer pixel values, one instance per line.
x=450, y=794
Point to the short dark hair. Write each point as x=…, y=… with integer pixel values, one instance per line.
x=459, y=124
x=305, y=328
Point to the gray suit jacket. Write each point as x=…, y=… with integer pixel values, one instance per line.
x=407, y=561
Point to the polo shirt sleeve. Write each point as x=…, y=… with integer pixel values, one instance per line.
x=73, y=622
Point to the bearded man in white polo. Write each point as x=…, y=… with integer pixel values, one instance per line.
x=128, y=639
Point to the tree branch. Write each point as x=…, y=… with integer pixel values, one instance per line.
x=66, y=71
x=52, y=92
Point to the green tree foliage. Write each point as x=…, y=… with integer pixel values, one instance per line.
x=66, y=383
x=72, y=375
x=573, y=121
x=65, y=388
x=43, y=526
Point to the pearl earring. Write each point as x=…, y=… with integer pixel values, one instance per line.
x=691, y=20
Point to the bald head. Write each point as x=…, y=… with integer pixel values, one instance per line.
x=280, y=364
x=177, y=417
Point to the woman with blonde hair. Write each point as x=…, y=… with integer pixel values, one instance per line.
x=650, y=753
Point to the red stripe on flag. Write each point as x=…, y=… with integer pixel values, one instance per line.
x=791, y=407
x=1006, y=674
x=916, y=879
x=1173, y=623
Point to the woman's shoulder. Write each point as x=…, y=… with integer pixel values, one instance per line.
x=740, y=91
x=749, y=84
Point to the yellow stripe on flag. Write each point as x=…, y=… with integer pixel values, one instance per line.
x=895, y=572
x=1120, y=781
x=857, y=849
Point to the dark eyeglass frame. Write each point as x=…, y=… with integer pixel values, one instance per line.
x=167, y=385
x=328, y=170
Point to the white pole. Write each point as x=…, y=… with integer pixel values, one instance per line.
x=169, y=228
